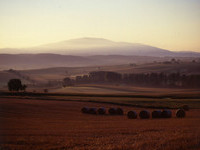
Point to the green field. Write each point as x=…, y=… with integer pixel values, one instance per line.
x=140, y=101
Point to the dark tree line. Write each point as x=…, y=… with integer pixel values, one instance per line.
x=163, y=80
x=94, y=77
x=142, y=79
x=105, y=76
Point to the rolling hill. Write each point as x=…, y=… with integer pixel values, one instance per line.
x=46, y=60
x=36, y=61
x=59, y=73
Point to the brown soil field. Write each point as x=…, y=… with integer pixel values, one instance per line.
x=54, y=125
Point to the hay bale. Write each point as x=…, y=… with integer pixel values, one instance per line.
x=85, y=110
x=166, y=113
x=92, y=111
x=119, y=111
x=180, y=113
x=101, y=111
x=185, y=107
x=132, y=115
x=144, y=114
x=157, y=114
x=112, y=111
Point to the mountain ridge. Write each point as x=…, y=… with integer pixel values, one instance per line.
x=99, y=46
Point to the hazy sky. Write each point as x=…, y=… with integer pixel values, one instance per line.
x=169, y=24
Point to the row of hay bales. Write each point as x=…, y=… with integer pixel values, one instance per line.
x=102, y=111
x=144, y=114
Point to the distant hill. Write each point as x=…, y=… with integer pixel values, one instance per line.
x=36, y=61
x=99, y=46
x=59, y=73
x=29, y=61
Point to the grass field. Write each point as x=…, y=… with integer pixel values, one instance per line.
x=124, y=89
x=54, y=124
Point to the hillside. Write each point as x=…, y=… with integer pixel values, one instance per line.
x=36, y=61
x=46, y=60
x=59, y=73
x=29, y=61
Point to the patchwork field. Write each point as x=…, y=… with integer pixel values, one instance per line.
x=55, y=124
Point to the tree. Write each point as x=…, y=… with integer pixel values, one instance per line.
x=67, y=82
x=16, y=85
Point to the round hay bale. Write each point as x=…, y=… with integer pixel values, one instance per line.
x=119, y=111
x=112, y=111
x=85, y=110
x=132, y=115
x=180, y=113
x=185, y=107
x=166, y=114
x=101, y=111
x=157, y=114
x=92, y=111
x=144, y=114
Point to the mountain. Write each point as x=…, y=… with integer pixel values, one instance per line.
x=99, y=46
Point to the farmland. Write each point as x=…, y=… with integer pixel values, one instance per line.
x=35, y=123
x=99, y=75
x=52, y=119
x=44, y=75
